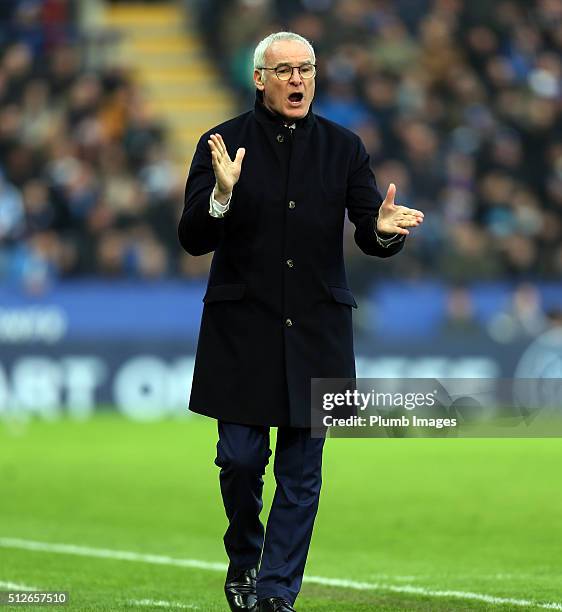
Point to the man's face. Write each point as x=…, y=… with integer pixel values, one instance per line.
x=291, y=98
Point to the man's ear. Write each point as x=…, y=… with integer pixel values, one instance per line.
x=258, y=80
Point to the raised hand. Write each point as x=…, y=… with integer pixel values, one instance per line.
x=227, y=171
x=393, y=218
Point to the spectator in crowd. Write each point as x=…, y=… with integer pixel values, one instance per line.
x=522, y=317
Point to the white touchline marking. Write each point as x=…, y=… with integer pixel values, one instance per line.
x=161, y=603
x=414, y=590
x=17, y=587
x=105, y=553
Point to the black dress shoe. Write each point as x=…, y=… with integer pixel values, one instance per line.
x=240, y=589
x=275, y=604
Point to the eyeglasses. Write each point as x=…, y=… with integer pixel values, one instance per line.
x=284, y=71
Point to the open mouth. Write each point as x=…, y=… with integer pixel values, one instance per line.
x=295, y=98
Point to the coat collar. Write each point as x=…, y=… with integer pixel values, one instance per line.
x=266, y=117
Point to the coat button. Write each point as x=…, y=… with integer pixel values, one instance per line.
x=290, y=263
x=280, y=138
x=288, y=323
x=292, y=204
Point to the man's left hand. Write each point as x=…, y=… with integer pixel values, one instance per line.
x=393, y=218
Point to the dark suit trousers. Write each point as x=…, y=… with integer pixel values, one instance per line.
x=242, y=454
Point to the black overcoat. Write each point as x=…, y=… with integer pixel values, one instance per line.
x=277, y=310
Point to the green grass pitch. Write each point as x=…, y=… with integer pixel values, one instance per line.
x=420, y=524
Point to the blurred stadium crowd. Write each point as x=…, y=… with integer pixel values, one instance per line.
x=457, y=101
x=86, y=185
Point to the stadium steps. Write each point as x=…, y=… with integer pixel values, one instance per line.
x=161, y=45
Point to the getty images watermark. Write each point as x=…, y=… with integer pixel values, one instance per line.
x=366, y=402
x=430, y=407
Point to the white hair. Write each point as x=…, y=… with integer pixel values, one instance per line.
x=263, y=46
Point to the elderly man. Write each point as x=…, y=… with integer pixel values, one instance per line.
x=267, y=192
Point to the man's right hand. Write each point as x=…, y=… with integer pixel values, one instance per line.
x=227, y=172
